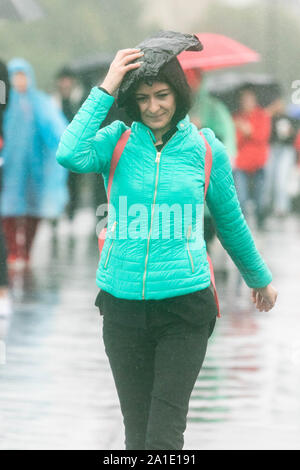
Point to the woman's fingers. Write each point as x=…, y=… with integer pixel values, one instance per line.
x=121, y=64
x=130, y=57
x=264, y=304
x=256, y=299
x=127, y=55
x=264, y=298
x=136, y=65
x=123, y=52
x=260, y=302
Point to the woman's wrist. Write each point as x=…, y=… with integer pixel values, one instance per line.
x=107, y=87
x=103, y=89
x=263, y=288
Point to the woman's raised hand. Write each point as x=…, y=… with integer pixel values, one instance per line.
x=121, y=64
x=264, y=298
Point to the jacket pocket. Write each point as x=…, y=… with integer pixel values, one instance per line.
x=112, y=240
x=189, y=231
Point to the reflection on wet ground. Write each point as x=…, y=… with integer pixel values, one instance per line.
x=56, y=389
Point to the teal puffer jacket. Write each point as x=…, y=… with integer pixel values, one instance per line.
x=154, y=246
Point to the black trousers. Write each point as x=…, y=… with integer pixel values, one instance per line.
x=155, y=369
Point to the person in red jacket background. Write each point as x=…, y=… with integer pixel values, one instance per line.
x=297, y=147
x=253, y=127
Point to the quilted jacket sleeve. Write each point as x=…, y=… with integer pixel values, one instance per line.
x=84, y=148
x=232, y=229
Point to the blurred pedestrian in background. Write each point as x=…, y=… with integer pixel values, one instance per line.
x=4, y=94
x=34, y=186
x=282, y=160
x=296, y=195
x=5, y=301
x=253, y=127
x=209, y=111
x=69, y=97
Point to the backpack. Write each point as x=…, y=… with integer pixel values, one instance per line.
x=114, y=162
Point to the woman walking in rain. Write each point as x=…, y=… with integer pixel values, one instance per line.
x=34, y=186
x=155, y=293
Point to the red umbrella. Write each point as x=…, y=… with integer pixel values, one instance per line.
x=218, y=52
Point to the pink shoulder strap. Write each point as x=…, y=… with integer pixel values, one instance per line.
x=208, y=163
x=116, y=157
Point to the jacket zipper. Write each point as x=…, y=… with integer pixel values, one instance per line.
x=157, y=160
x=188, y=236
x=111, y=245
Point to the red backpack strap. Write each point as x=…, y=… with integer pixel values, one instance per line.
x=116, y=157
x=113, y=165
x=207, y=171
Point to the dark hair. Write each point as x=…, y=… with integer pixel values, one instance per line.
x=5, y=79
x=65, y=72
x=173, y=75
x=247, y=87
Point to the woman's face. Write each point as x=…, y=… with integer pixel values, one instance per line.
x=157, y=105
x=248, y=101
x=20, y=82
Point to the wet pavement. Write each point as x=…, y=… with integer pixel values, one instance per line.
x=56, y=388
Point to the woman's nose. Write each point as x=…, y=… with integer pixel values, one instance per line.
x=153, y=106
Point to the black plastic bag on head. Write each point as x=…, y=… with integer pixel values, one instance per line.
x=158, y=51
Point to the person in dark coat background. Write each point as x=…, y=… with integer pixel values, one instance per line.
x=69, y=98
x=282, y=160
x=5, y=303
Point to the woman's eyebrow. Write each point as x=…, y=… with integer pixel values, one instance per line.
x=157, y=92
x=162, y=91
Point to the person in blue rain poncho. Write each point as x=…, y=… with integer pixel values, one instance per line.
x=34, y=185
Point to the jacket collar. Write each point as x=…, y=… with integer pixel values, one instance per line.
x=138, y=126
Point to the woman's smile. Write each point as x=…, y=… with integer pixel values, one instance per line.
x=157, y=118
